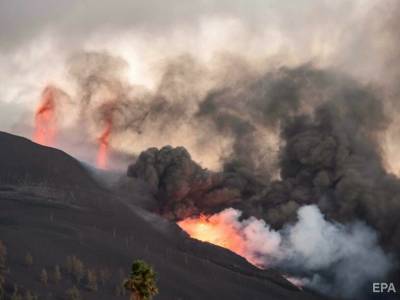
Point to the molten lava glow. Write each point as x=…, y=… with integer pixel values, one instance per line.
x=104, y=142
x=212, y=230
x=45, y=127
x=251, y=238
x=217, y=230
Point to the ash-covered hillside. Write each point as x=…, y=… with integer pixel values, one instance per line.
x=61, y=230
x=23, y=162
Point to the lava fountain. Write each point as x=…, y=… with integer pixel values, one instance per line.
x=104, y=143
x=45, y=118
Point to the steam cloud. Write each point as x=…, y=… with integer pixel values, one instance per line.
x=336, y=259
x=338, y=256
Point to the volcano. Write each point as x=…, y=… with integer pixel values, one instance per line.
x=52, y=209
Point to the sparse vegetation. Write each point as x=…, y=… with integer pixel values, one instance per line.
x=142, y=281
x=76, y=268
x=29, y=296
x=3, y=254
x=2, y=290
x=16, y=295
x=68, y=264
x=88, y=278
x=28, y=259
x=57, y=274
x=91, y=281
x=73, y=294
x=104, y=276
x=44, y=278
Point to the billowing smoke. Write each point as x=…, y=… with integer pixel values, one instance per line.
x=168, y=71
x=292, y=136
x=338, y=260
x=251, y=238
x=329, y=127
x=334, y=258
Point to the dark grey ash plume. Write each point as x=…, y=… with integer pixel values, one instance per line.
x=330, y=127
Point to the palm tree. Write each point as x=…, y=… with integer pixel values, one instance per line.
x=142, y=281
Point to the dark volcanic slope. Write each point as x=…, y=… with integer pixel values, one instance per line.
x=106, y=234
x=24, y=162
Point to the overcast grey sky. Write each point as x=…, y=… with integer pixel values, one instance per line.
x=21, y=20
x=38, y=36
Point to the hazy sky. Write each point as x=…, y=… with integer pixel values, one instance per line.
x=37, y=37
x=21, y=20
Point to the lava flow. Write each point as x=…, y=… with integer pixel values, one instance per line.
x=45, y=125
x=104, y=142
x=250, y=238
x=218, y=230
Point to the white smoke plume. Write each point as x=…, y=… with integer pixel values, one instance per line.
x=332, y=258
x=342, y=258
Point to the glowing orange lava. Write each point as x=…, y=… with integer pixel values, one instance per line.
x=225, y=230
x=45, y=126
x=216, y=230
x=104, y=142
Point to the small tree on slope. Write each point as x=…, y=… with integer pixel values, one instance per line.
x=142, y=281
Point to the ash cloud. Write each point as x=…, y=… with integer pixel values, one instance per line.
x=250, y=38
x=330, y=128
x=328, y=125
x=102, y=93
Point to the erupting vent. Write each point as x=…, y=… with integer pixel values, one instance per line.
x=104, y=142
x=45, y=125
x=220, y=230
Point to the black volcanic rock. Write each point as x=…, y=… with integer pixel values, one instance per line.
x=22, y=161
